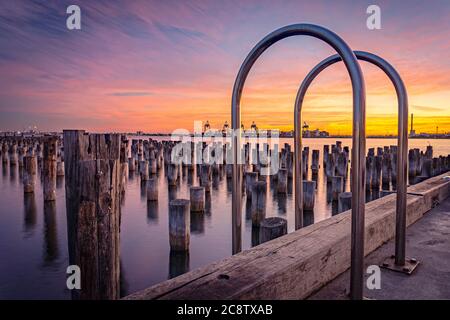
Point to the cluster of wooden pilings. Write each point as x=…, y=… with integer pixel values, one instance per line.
x=422, y=165
x=97, y=167
x=32, y=155
x=147, y=158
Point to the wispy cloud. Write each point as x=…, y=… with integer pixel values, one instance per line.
x=131, y=94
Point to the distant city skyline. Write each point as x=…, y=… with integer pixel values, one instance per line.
x=156, y=66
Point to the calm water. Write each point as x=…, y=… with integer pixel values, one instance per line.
x=33, y=236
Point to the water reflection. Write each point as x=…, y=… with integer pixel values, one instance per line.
x=29, y=206
x=290, y=185
x=123, y=283
x=190, y=177
x=172, y=193
x=329, y=192
x=152, y=212
x=12, y=173
x=143, y=190
x=208, y=203
x=282, y=203
x=4, y=170
x=20, y=170
x=50, y=232
x=59, y=182
x=197, y=223
x=178, y=263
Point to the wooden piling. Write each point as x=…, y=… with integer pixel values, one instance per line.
x=345, y=201
x=29, y=174
x=282, y=181
x=205, y=177
x=315, y=162
x=337, y=186
x=172, y=174
x=309, y=192
x=179, y=224
x=341, y=167
x=60, y=169
x=258, y=202
x=143, y=170
x=92, y=167
x=197, y=196
x=49, y=168
x=272, y=228
x=250, y=179
x=152, y=189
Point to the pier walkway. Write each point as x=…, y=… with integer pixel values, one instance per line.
x=428, y=240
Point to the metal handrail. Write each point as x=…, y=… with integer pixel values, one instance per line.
x=358, y=150
x=402, y=150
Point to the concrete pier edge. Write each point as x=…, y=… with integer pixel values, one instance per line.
x=296, y=265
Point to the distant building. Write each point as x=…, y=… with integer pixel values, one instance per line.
x=315, y=134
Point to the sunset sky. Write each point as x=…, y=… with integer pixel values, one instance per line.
x=157, y=66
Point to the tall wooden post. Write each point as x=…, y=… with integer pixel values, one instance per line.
x=92, y=165
x=49, y=171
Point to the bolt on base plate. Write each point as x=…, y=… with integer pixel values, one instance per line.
x=409, y=267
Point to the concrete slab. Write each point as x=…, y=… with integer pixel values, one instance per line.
x=428, y=240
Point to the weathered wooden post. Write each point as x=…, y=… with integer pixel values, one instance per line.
x=205, y=177
x=197, y=196
x=309, y=191
x=20, y=155
x=49, y=168
x=376, y=172
x=429, y=152
x=369, y=168
x=172, y=174
x=282, y=181
x=250, y=179
x=272, y=228
x=29, y=174
x=341, y=168
x=92, y=167
x=394, y=167
x=132, y=164
x=153, y=167
x=385, y=165
x=143, y=170
x=345, y=201
x=329, y=167
x=305, y=157
x=4, y=153
x=337, y=186
x=152, y=189
x=315, y=162
x=326, y=152
x=258, y=202
x=124, y=171
x=60, y=168
x=13, y=154
x=412, y=163
x=179, y=224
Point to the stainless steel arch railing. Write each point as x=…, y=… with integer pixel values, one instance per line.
x=358, y=150
x=402, y=150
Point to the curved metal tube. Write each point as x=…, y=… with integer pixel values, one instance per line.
x=358, y=150
x=402, y=150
